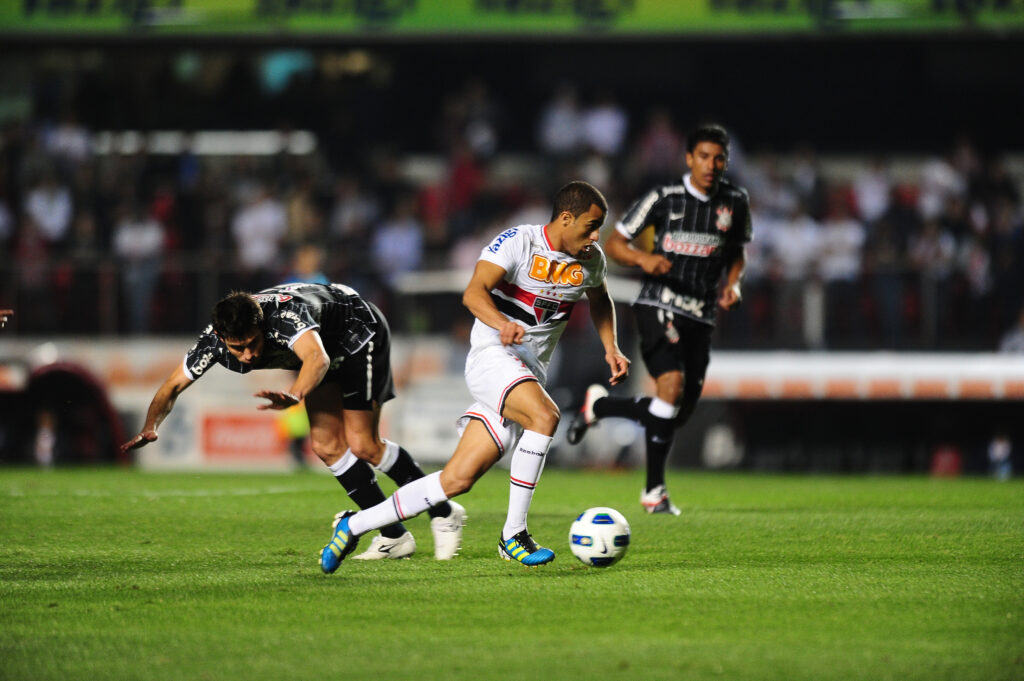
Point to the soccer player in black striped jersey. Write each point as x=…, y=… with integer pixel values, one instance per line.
x=340, y=345
x=701, y=226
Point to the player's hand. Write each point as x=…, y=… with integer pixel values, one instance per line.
x=278, y=399
x=730, y=297
x=4, y=314
x=511, y=333
x=140, y=440
x=619, y=364
x=656, y=265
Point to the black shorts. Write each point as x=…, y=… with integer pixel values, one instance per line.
x=672, y=342
x=365, y=377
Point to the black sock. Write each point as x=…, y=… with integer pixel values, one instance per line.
x=625, y=407
x=658, y=436
x=361, y=486
x=404, y=470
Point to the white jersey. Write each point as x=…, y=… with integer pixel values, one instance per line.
x=540, y=288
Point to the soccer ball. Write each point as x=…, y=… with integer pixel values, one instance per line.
x=599, y=536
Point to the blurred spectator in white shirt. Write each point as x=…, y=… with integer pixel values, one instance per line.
x=139, y=246
x=939, y=181
x=50, y=206
x=798, y=307
x=258, y=229
x=842, y=253
x=605, y=125
x=872, y=191
x=559, y=131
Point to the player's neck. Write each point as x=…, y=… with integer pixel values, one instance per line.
x=553, y=236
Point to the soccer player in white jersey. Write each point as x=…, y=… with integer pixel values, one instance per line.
x=522, y=291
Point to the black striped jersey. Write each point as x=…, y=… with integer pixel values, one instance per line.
x=343, y=319
x=699, y=234
x=540, y=288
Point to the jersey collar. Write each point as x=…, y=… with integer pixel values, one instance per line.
x=697, y=194
x=544, y=231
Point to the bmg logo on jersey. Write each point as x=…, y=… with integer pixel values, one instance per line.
x=556, y=272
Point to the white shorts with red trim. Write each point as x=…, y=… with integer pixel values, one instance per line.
x=491, y=374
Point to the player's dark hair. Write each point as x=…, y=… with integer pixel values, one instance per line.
x=237, y=315
x=708, y=133
x=577, y=197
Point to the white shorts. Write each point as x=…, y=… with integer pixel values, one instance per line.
x=491, y=374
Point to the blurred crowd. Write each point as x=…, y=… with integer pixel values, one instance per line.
x=140, y=240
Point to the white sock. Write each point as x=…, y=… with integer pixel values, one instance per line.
x=387, y=460
x=662, y=409
x=347, y=460
x=526, y=466
x=407, y=501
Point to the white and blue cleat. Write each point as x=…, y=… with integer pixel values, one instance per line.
x=342, y=543
x=522, y=549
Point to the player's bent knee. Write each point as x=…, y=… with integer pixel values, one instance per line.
x=544, y=419
x=367, y=450
x=454, y=485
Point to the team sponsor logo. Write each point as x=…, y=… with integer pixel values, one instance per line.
x=724, y=221
x=201, y=365
x=294, y=318
x=555, y=271
x=544, y=308
x=687, y=304
x=690, y=243
x=500, y=239
x=272, y=297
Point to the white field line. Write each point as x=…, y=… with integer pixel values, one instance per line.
x=157, y=494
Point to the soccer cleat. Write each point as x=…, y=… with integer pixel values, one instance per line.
x=657, y=501
x=448, y=532
x=522, y=549
x=585, y=416
x=385, y=547
x=342, y=543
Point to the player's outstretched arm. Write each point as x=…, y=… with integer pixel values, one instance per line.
x=315, y=362
x=159, y=408
x=477, y=298
x=623, y=252
x=602, y=311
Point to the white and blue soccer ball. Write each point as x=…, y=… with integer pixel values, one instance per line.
x=599, y=536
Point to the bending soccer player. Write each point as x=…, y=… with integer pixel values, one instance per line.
x=701, y=226
x=340, y=344
x=522, y=292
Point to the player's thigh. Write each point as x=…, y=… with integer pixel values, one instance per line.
x=529, y=405
x=493, y=373
x=324, y=406
x=659, y=340
x=476, y=452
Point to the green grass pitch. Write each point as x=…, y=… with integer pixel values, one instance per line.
x=116, y=574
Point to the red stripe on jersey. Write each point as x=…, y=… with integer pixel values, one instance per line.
x=524, y=296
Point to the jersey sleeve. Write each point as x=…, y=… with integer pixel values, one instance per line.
x=507, y=249
x=203, y=354
x=638, y=215
x=288, y=322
